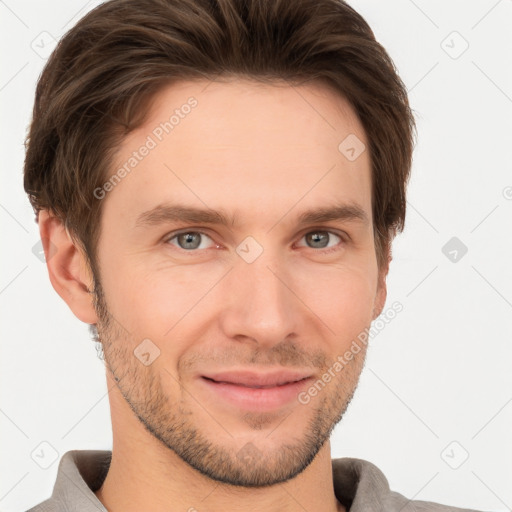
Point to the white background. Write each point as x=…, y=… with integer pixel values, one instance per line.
x=439, y=372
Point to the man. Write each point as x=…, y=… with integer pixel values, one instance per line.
x=217, y=186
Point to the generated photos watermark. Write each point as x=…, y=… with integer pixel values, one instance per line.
x=304, y=397
x=157, y=135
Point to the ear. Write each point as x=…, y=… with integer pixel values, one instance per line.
x=382, y=289
x=67, y=267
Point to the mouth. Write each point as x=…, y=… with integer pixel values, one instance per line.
x=259, y=380
x=268, y=386
x=256, y=392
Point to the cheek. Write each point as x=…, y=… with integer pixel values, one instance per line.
x=342, y=296
x=157, y=302
x=160, y=301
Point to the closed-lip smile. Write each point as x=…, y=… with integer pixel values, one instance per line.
x=256, y=391
x=258, y=379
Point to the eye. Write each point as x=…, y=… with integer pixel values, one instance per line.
x=189, y=240
x=322, y=239
x=193, y=240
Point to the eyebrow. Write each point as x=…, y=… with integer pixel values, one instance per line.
x=178, y=213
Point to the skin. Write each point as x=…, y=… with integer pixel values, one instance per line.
x=265, y=153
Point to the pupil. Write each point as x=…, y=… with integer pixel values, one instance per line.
x=190, y=240
x=319, y=239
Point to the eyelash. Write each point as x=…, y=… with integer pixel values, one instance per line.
x=337, y=247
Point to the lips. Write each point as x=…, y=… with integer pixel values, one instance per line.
x=258, y=380
x=257, y=391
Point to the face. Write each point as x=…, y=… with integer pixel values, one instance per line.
x=241, y=241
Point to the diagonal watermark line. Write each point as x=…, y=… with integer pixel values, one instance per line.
x=295, y=89
x=493, y=287
x=199, y=403
x=14, y=76
x=17, y=483
x=409, y=501
x=82, y=418
x=14, y=423
x=165, y=165
x=293, y=497
x=422, y=280
x=301, y=300
x=101, y=508
x=492, y=81
x=404, y=403
x=120, y=324
x=301, y=198
x=19, y=19
x=75, y=15
x=209, y=494
x=212, y=287
x=510, y=508
x=424, y=13
x=13, y=217
x=422, y=216
x=13, y=279
x=492, y=211
x=211, y=80
x=486, y=14
x=274, y=429
x=503, y=407
x=423, y=77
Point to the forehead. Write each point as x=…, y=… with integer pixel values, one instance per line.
x=243, y=144
x=230, y=111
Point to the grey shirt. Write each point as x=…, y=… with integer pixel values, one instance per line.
x=358, y=484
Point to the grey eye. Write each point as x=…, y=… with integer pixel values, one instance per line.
x=318, y=239
x=190, y=240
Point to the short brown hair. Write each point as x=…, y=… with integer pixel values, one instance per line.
x=94, y=87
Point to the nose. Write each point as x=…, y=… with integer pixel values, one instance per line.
x=260, y=305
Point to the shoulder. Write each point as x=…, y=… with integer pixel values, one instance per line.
x=49, y=505
x=80, y=473
x=397, y=502
x=362, y=486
